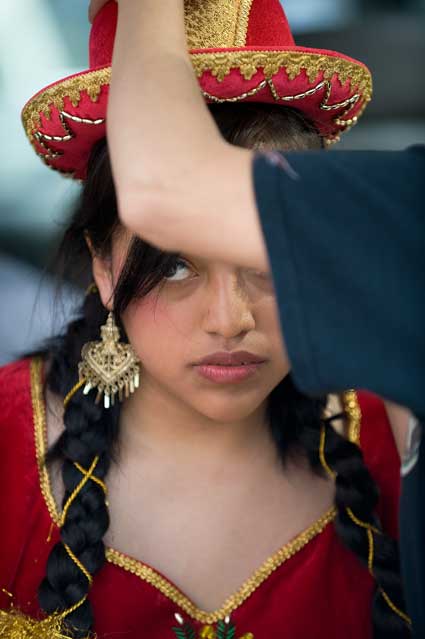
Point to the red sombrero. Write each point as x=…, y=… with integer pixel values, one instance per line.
x=241, y=50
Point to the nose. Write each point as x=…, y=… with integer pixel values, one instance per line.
x=228, y=309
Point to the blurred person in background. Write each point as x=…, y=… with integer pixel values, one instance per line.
x=245, y=459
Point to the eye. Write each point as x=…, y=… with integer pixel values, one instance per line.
x=175, y=270
x=261, y=280
x=262, y=275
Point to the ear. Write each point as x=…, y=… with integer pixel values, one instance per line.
x=102, y=274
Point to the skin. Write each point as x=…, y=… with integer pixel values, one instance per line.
x=191, y=451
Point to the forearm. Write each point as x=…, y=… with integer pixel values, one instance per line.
x=158, y=126
x=179, y=184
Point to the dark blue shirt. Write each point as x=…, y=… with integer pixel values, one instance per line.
x=345, y=235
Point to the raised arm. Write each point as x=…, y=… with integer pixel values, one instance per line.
x=169, y=157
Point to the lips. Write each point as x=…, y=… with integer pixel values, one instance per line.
x=239, y=358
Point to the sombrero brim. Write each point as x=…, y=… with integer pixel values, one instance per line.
x=65, y=119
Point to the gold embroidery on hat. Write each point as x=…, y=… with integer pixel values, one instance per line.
x=242, y=22
x=216, y=23
x=249, y=62
x=50, y=154
x=43, y=138
x=219, y=64
x=348, y=104
x=54, y=96
x=236, y=98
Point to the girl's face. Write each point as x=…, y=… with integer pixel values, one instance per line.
x=203, y=308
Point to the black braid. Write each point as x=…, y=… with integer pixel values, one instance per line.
x=296, y=421
x=355, y=488
x=89, y=432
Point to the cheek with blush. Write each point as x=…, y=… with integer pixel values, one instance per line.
x=161, y=334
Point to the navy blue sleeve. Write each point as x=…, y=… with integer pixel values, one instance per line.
x=346, y=241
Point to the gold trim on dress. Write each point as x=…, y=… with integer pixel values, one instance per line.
x=148, y=574
x=249, y=586
x=350, y=403
x=40, y=431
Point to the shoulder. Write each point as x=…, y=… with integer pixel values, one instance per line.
x=15, y=387
x=19, y=477
x=376, y=436
x=20, y=395
x=12, y=373
x=381, y=457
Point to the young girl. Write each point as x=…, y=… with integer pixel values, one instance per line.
x=215, y=501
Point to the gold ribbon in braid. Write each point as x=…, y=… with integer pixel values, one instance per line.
x=87, y=475
x=362, y=524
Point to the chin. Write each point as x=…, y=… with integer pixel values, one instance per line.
x=228, y=410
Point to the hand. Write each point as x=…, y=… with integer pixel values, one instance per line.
x=94, y=8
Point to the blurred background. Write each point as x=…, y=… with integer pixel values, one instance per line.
x=44, y=40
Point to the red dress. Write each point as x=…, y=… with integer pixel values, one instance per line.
x=311, y=588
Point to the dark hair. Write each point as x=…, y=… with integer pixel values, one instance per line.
x=295, y=419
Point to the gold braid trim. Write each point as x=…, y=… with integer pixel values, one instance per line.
x=83, y=569
x=249, y=62
x=216, y=23
x=71, y=88
x=385, y=597
x=353, y=411
x=77, y=489
x=394, y=608
x=97, y=481
x=268, y=567
x=242, y=22
x=360, y=523
x=370, y=551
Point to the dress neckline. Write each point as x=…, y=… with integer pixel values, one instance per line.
x=148, y=573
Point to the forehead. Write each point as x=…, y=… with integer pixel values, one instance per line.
x=122, y=242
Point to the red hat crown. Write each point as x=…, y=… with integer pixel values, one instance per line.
x=213, y=24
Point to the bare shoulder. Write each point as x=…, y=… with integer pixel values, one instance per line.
x=399, y=418
x=335, y=406
x=54, y=428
